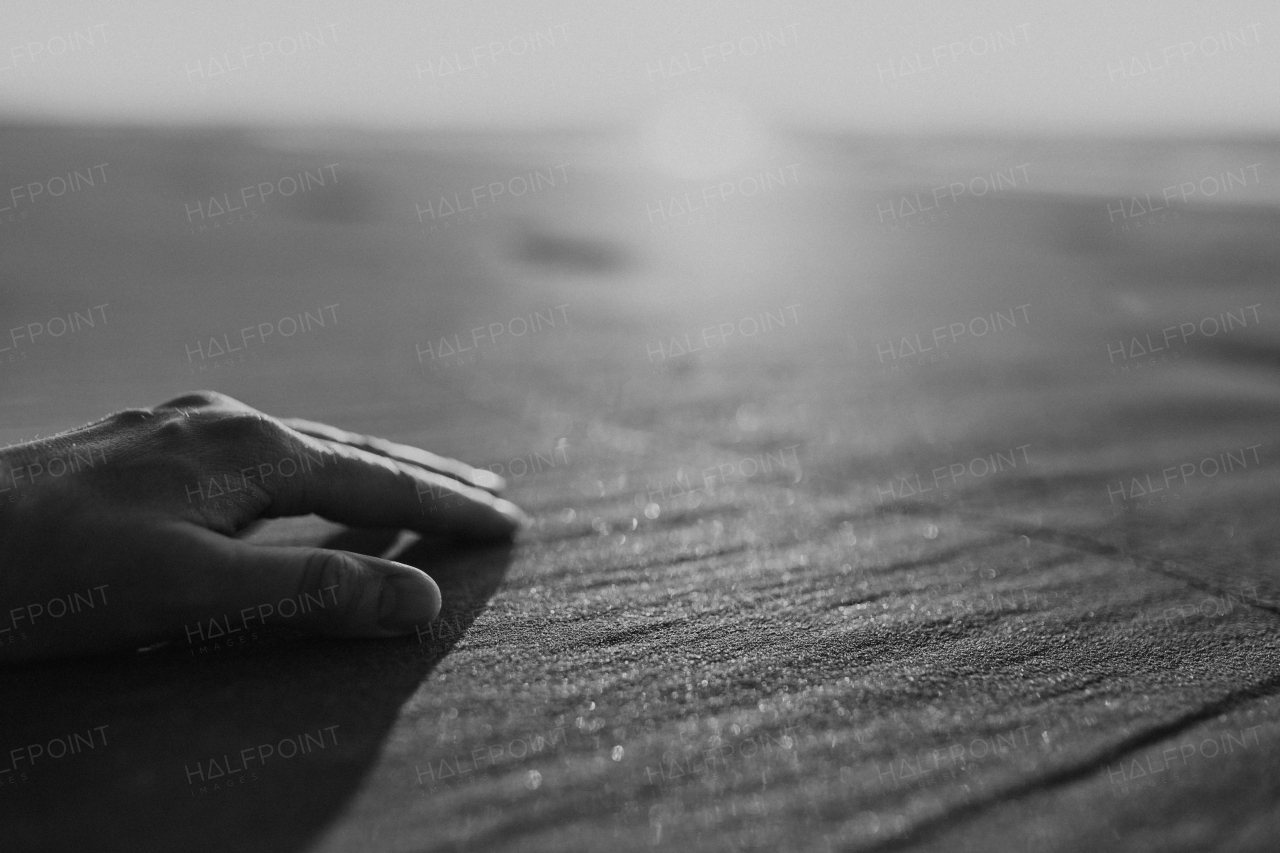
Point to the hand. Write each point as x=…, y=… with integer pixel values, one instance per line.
x=118, y=534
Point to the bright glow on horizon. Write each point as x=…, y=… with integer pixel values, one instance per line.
x=698, y=136
x=880, y=66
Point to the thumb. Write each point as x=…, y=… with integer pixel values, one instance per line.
x=331, y=593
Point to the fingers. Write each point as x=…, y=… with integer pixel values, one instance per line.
x=346, y=477
x=237, y=584
x=477, y=477
x=176, y=580
x=363, y=489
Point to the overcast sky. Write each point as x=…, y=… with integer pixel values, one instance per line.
x=917, y=65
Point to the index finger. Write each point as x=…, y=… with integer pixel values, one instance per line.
x=478, y=477
x=365, y=489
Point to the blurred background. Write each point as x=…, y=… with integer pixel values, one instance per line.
x=893, y=166
x=617, y=254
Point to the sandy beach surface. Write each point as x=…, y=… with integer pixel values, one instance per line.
x=869, y=513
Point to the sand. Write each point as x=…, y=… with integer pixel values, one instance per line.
x=866, y=577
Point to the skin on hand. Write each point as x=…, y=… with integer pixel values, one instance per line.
x=136, y=512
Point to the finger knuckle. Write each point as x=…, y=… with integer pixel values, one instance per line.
x=174, y=431
x=200, y=398
x=132, y=417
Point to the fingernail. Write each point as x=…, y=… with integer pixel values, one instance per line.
x=517, y=517
x=514, y=512
x=405, y=603
x=487, y=480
